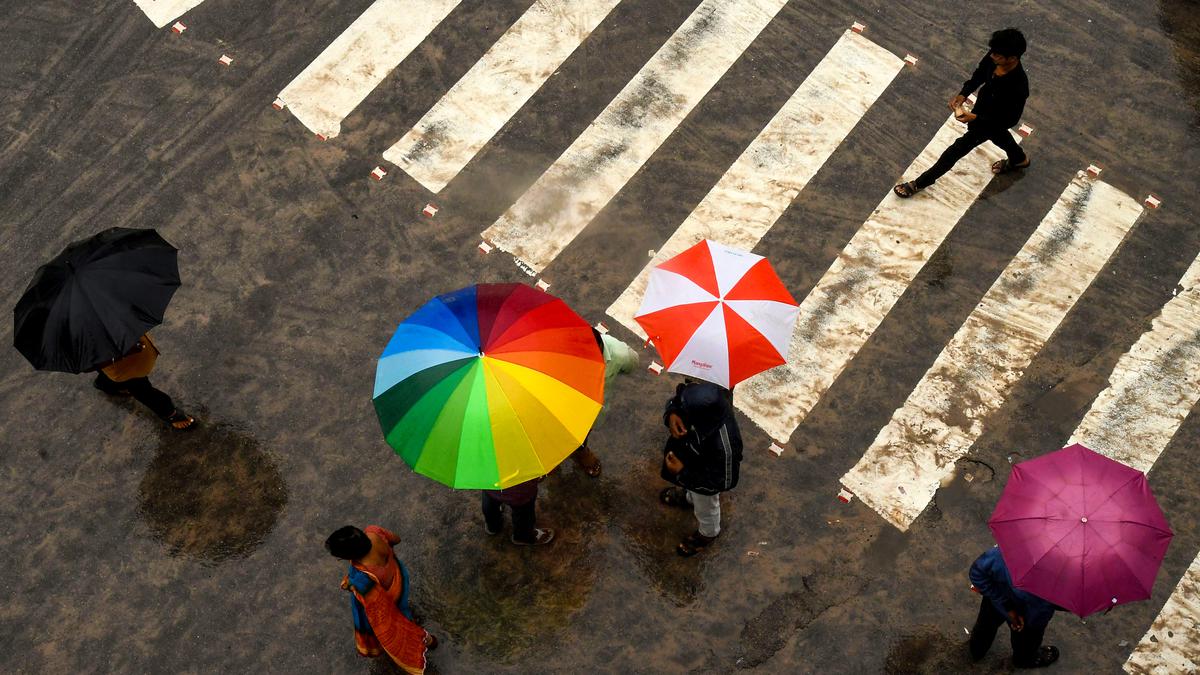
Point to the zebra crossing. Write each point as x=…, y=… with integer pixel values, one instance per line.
x=163, y=12
x=333, y=85
x=945, y=413
x=479, y=104
x=1150, y=392
x=623, y=136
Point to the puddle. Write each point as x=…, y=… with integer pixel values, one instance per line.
x=501, y=600
x=927, y=651
x=883, y=551
x=211, y=494
x=960, y=496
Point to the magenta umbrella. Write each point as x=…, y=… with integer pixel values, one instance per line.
x=1080, y=530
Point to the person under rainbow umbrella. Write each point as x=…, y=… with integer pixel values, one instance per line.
x=489, y=386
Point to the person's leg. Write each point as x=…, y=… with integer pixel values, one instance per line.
x=950, y=156
x=586, y=459
x=524, y=518
x=707, y=509
x=493, y=520
x=1005, y=141
x=1026, y=645
x=158, y=402
x=984, y=632
x=106, y=385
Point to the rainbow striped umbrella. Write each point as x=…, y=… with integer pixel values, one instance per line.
x=489, y=386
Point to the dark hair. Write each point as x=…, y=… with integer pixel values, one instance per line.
x=1007, y=42
x=599, y=340
x=348, y=543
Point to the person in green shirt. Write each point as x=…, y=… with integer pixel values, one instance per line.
x=618, y=358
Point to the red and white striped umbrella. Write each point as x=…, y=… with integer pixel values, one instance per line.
x=718, y=314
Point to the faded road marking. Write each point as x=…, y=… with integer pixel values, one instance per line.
x=862, y=285
x=487, y=96
x=1172, y=645
x=163, y=12
x=785, y=155
x=622, y=137
x=1153, y=386
x=329, y=89
x=944, y=415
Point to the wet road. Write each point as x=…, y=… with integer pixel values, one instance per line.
x=132, y=549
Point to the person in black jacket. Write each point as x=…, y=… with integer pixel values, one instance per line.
x=997, y=109
x=701, y=456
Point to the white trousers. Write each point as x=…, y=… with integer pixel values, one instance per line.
x=708, y=512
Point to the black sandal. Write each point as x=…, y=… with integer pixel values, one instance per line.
x=693, y=544
x=1046, y=656
x=177, y=418
x=906, y=189
x=674, y=496
x=1003, y=166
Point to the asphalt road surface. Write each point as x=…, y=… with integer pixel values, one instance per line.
x=130, y=548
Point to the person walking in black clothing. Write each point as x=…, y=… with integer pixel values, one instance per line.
x=997, y=109
x=701, y=456
x=1026, y=614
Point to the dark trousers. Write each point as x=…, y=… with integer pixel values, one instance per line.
x=158, y=402
x=974, y=137
x=1025, y=642
x=523, y=516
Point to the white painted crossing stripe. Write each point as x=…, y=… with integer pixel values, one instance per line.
x=163, y=12
x=1153, y=386
x=622, y=137
x=970, y=379
x=776, y=166
x=1151, y=391
x=862, y=285
x=1172, y=645
x=487, y=96
x=329, y=89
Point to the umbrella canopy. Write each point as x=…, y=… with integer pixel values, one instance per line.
x=718, y=314
x=92, y=302
x=489, y=386
x=1080, y=530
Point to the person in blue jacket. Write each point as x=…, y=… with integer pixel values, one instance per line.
x=1027, y=615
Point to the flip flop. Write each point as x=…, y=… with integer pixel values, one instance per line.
x=1003, y=166
x=674, y=496
x=693, y=544
x=180, y=421
x=906, y=189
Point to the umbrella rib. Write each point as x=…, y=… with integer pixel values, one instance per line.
x=1116, y=490
x=1119, y=557
x=1048, y=549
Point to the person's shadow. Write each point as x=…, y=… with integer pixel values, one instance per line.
x=1001, y=183
x=211, y=493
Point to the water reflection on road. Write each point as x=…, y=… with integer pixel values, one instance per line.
x=211, y=493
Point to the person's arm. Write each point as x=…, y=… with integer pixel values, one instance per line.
x=984, y=580
x=982, y=71
x=621, y=354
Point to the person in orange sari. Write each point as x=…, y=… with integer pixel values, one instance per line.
x=378, y=586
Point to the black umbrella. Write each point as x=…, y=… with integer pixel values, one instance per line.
x=95, y=299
